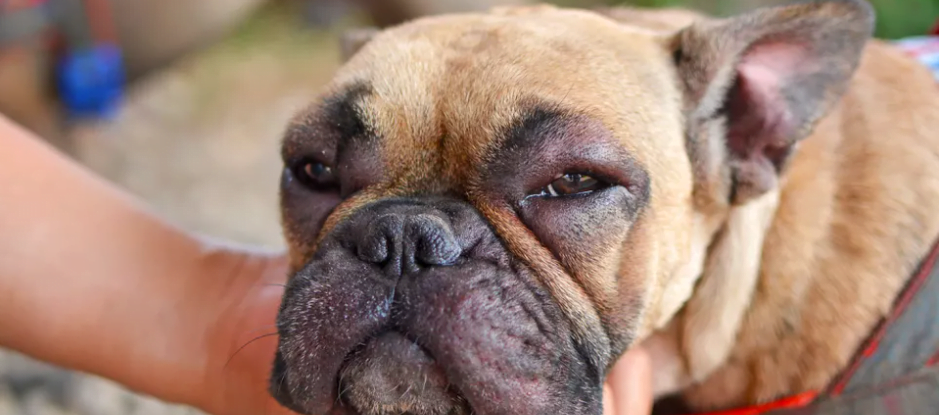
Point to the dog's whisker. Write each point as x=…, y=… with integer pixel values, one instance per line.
x=342, y=387
x=340, y=394
x=281, y=382
x=394, y=387
x=407, y=389
x=265, y=327
x=565, y=97
x=275, y=284
x=246, y=345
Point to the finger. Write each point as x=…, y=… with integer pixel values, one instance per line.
x=631, y=384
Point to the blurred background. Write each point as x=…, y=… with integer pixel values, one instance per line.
x=182, y=103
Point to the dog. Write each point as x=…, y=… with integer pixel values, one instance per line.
x=483, y=211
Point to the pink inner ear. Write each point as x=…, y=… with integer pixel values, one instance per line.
x=760, y=119
x=778, y=57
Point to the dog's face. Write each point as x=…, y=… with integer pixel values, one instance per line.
x=484, y=211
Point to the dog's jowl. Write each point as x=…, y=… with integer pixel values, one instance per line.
x=485, y=210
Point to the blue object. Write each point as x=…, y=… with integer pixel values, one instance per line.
x=91, y=81
x=923, y=48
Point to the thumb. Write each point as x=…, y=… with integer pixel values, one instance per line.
x=628, y=389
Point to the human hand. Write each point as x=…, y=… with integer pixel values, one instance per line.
x=243, y=344
x=629, y=387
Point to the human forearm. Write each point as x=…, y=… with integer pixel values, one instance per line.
x=89, y=280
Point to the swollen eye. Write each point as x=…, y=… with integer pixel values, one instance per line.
x=573, y=183
x=316, y=175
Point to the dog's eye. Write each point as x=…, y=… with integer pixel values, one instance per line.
x=315, y=174
x=573, y=183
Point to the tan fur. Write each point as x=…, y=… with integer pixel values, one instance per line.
x=414, y=106
x=665, y=20
x=837, y=284
x=741, y=304
x=857, y=213
x=712, y=317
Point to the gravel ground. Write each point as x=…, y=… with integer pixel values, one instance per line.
x=199, y=143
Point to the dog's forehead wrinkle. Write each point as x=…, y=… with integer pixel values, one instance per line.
x=336, y=119
x=426, y=109
x=545, y=133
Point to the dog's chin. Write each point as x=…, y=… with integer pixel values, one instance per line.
x=393, y=374
x=477, y=337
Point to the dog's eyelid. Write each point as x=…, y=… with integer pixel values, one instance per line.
x=319, y=156
x=315, y=175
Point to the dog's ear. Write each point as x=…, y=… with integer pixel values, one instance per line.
x=353, y=39
x=757, y=83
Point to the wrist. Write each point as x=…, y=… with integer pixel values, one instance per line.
x=240, y=299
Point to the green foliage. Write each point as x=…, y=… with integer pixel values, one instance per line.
x=894, y=18
x=900, y=18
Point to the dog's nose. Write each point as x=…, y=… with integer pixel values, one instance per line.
x=406, y=242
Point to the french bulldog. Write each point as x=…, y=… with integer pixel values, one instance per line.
x=483, y=211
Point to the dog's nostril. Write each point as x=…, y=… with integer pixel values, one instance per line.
x=404, y=243
x=382, y=238
x=439, y=249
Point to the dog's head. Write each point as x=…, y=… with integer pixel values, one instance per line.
x=484, y=210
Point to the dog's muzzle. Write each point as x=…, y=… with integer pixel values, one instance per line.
x=415, y=307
